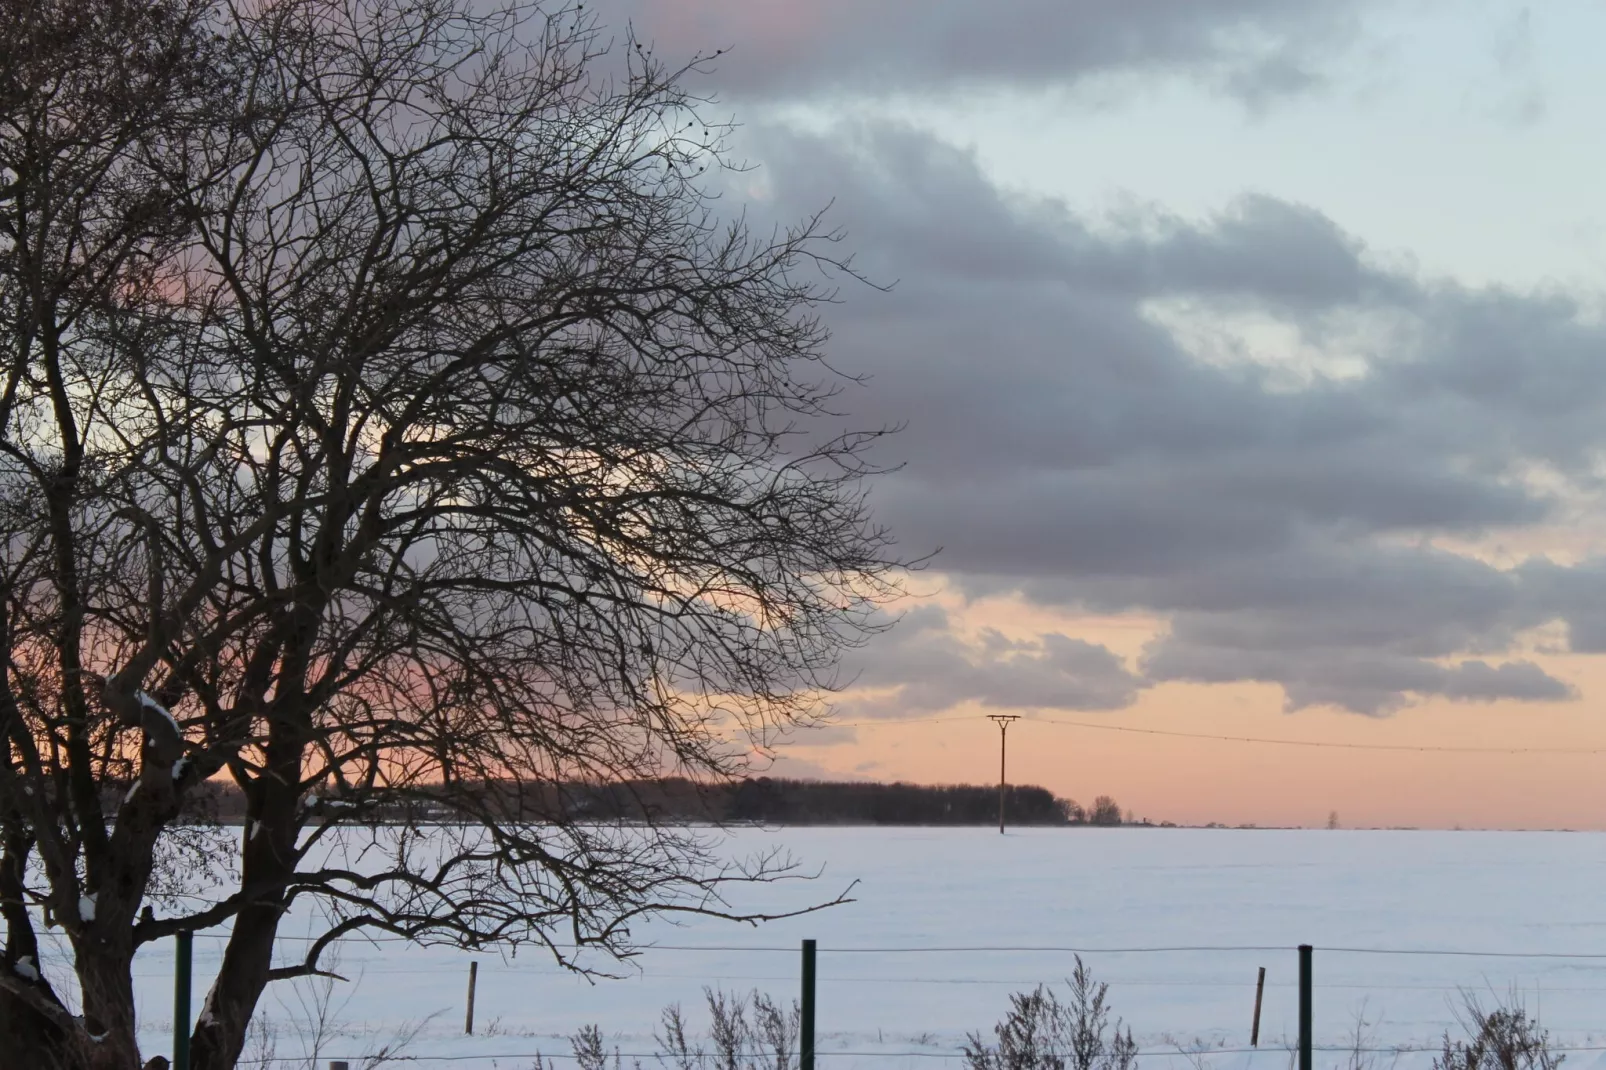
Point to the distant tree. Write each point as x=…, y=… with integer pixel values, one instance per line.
x=1106, y=811
x=1073, y=811
x=1332, y=820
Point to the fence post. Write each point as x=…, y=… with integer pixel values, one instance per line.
x=181, y=999
x=473, y=976
x=1304, y=1006
x=1260, y=990
x=805, y=1040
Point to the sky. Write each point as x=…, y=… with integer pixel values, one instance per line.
x=1251, y=362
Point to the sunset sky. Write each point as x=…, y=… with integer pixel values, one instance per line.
x=1252, y=359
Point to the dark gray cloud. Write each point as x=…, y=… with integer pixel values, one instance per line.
x=928, y=668
x=1254, y=49
x=1064, y=442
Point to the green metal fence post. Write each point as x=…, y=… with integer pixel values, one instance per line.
x=181, y=1000
x=1304, y=1006
x=805, y=1044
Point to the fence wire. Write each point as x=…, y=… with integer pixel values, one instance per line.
x=1562, y=966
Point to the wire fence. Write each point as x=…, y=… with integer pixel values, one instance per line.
x=1050, y=949
x=1327, y=1049
x=1220, y=974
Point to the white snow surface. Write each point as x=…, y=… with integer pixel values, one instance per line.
x=86, y=907
x=1102, y=890
x=144, y=699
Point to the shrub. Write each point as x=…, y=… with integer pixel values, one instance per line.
x=747, y=1032
x=1041, y=1033
x=1504, y=1038
x=751, y=1032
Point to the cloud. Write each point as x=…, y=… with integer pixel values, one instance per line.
x=1519, y=92
x=1254, y=49
x=922, y=666
x=791, y=765
x=1242, y=424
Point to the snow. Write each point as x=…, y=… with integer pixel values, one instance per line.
x=1101, y=890
x=179, y=767
x=150, y=703
x=26, y=968
x=322, y=802
x=207, y=1017
x=86, y=907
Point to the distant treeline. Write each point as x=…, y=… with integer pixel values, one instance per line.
x=804, y=802
x=760, y=800
x=778, y=801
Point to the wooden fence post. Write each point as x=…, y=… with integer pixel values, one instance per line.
x=473, y=976
x=1260, y=990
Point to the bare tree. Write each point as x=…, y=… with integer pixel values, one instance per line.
x=93, y=97
x=394, y=427
x=1106, y=811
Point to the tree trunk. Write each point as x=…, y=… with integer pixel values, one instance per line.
x=106, y=979
x=220, y=1030
x=30, y=1038
x=266, y=861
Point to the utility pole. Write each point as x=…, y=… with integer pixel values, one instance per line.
x=1002, y=720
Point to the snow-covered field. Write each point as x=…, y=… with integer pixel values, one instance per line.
x=924, y=889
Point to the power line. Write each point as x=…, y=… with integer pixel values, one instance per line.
x=1425, y=748
x=893, y=722
x=1268, y=740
